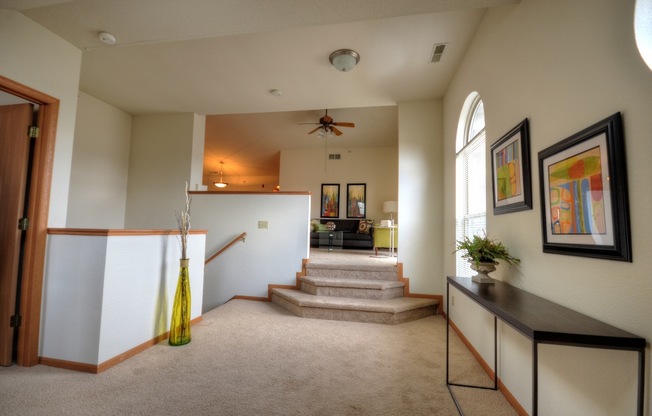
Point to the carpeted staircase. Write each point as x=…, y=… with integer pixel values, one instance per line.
x=350, y=292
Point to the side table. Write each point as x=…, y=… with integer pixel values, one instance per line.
x=331, y=239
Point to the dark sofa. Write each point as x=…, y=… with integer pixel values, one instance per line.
x=353, y=237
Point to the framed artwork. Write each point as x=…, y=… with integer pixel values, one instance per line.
x=584, y=197
x=356, y=199
x=330, y=200
x=510, y=168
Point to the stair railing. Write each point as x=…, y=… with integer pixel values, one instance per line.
x=226, y=247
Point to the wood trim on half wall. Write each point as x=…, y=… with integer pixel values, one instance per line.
x=38, y=209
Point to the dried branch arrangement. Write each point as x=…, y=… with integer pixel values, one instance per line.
x=183, y=221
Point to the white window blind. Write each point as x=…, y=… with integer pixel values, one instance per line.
x=470, y=192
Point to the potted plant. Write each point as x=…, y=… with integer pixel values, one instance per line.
x=483, y=254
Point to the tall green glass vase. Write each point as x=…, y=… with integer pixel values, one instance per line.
x=180, y=324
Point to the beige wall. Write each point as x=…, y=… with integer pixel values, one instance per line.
x=197, y=162
x=100, y=164
x=564, y=65
x=34, y=56
x=107, y=164
x=159, y=165
x=306, y=170
x=420, y=129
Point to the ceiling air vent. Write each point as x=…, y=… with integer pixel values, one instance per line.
x=334, y=156
x=437, y=52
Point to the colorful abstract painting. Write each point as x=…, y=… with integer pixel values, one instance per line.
x=330, y=200
x=356, y=196
x=508, y=171
x=584, y=201
x=510, y=165
x=577, y=203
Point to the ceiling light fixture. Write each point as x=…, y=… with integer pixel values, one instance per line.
x=221, y=183
x=344, y=59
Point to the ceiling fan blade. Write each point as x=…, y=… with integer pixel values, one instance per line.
x=336, y=131
x=309, y=123
x=344, y=124
x=312, y=131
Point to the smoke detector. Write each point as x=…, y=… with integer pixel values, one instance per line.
x=106, y=37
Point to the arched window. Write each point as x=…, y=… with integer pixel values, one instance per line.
x=643, y=29
x=470, y=176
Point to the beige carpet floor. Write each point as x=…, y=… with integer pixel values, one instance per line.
x=255, y=358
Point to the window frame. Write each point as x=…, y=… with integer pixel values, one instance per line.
x=466, y=144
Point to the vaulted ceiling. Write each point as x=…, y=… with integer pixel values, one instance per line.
x=222, y=58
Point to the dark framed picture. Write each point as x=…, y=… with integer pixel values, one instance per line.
x=330, y=200
x=584, y=197
x=510, y=168
x=356, y=199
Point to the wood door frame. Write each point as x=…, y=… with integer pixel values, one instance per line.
x=37, y=211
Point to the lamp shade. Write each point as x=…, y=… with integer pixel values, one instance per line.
x=221, y=183
x=390, y=206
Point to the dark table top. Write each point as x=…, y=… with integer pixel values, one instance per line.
x=544, y=321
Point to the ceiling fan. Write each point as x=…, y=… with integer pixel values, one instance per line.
x=328, y=126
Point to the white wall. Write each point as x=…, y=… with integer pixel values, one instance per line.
x=34, y=56
x=100, y=164
x=159, y=165
x=107, y=294
x=270, y=255
x=197, y=152
x=564, y=65
x=420, y=130
x=306, y=170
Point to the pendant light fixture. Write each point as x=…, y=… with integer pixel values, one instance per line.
x=221, y=183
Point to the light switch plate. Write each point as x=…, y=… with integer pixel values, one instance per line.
x=262, y=224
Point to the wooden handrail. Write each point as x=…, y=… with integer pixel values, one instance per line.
x=226, y=247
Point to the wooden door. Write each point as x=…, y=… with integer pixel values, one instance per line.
x=14, y=160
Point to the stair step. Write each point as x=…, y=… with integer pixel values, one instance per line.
x=387, y=311
x=352, y=288
x=351, y=271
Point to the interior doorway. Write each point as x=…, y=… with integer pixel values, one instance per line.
x=31, y=260
x=15, y=122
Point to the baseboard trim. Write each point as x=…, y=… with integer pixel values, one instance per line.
x=408, y=294
x=255, y=298
x=490, y=372
x=96, y=369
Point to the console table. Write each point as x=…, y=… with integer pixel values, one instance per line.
x=543, y=322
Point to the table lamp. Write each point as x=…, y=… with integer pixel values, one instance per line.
x=390, y=207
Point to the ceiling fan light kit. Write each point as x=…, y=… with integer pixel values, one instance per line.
x=327, y=126
x=344, y=59
x=325, y=131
